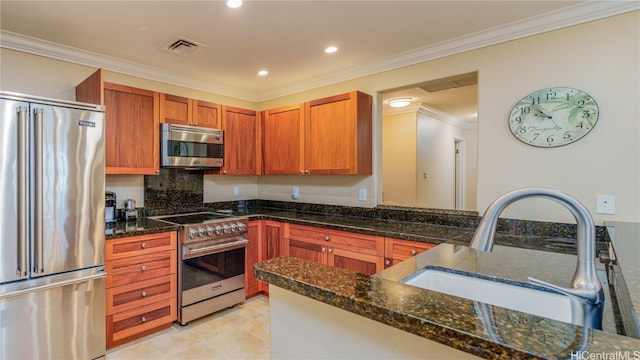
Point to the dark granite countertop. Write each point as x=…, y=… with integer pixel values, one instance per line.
x=449, y=320
x=417, y=230
x=625, y=237
x=141, y=226
x=446, y=319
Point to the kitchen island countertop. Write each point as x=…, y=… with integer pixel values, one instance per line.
x=442, y=318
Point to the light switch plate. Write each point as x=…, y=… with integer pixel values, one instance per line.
x=236, y=190
x=606, y=204
x=295, y=193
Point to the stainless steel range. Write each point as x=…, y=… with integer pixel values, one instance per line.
x=211, y=262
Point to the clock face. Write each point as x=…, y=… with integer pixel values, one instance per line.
x=553, y=117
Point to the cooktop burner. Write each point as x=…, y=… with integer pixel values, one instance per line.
x=196, y=218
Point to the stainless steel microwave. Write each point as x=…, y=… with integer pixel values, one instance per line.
x=191, y=147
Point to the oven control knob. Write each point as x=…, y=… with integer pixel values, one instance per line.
x=218, y=229
x=193, y=233
x=225, y=228
x=201, y=231
x=209, y=230
x=234, y=227
x=242, y=227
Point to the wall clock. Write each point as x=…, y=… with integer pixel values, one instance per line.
x=553, y=117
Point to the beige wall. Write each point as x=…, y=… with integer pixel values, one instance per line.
x=599, y=57
x=399, y=151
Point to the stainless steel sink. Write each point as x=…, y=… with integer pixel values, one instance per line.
x=510, y=295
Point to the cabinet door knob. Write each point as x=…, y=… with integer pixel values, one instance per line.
x=143, y=245
x=301, y=172
x=413, y=251
x=157, y=171
x=387, y=262
x=144, y=293
x=327, y=238
x=306, y=171
x=143, y=319
x=330, y=250
x=224, y=172
x=323, y=249
x=143, y=268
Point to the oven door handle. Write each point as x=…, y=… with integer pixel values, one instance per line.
x=188, y=252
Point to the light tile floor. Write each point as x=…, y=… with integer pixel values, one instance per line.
x=241, y=332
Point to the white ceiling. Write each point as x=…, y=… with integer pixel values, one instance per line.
x=285, y=37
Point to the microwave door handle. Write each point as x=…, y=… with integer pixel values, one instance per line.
x=21, y=270
x=38, y=262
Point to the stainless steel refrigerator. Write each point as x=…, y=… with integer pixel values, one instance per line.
x=52, y=279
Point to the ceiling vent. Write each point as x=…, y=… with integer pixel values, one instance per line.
x=182, y=46
x=451, y=82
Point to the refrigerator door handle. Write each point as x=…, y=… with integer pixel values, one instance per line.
x=99, y=275
x=38, y=261
x=21, y=270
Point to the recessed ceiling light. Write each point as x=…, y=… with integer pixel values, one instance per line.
x=330, y=49
x=234, y=3
x=263, y=72
x=400, y=102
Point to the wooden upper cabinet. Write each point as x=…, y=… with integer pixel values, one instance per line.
x=241, y=141
x=338, y=132
x=132, y=144
x=176, y=110
x=184, y=111
x=206, y=114
x=283, y=140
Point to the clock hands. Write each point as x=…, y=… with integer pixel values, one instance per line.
x=543, y=114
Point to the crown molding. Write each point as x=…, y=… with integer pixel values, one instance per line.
x=578, y=14
x=31, y=45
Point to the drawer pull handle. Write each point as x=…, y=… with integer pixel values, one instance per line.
x=413, y=252
x=143, y=319
x=144, y=293
x=327, y=238
x=143, y=245
x=143, y=268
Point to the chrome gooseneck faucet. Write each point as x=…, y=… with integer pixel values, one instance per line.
x=586, y=294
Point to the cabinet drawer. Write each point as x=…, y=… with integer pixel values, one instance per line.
x=129, y=323
x=134, y=295
x=367, y=244
x=139, y=245
x=396, y=250
x=130, y=270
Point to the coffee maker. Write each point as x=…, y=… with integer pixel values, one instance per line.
x=110, y=201
x=130, y=212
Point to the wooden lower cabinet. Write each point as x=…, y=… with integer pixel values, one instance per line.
x=141, y=286
x=354, y=261
x=397, y=250
x=272, y=245
x=252, y=256
x=266, y=241
x=355, y=252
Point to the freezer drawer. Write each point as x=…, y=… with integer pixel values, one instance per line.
x=58, y=317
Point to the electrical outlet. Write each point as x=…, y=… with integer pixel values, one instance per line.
x=362, y=194
x=606, y=204
x=236, y=190
x=295, y=193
